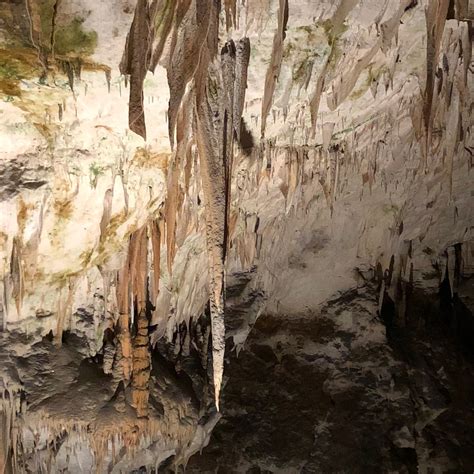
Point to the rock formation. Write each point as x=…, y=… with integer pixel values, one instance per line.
x=176, y=172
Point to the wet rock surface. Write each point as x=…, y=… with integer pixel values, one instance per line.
x=337, y=392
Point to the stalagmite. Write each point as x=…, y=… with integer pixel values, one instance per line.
x=4, y=439
x=141, y=366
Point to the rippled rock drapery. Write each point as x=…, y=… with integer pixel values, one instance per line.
x=352, y=161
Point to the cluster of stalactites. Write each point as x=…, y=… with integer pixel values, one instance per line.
x=274, y=67
x=136, y=291
x=453, y=264
x=184, y=37
x=219, y=101
x=32, y=442
x=173, y=33
x=8, y=433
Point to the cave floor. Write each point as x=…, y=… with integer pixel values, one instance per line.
x=327, y=392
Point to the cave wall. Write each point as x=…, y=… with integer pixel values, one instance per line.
x=352, y=161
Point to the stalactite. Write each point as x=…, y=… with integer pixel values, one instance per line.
x=242, y=58
x=230, y=7
x=166, y=12
x=218, y=108
x=106, y=213
x=343, y=85
x=136, y=61
x=337, y=22
x=188, y=169
x=140, y=349
x=33, y=12
x=209, y=136
x=123, y=359
x=213, y=181
x=436, y=13
x=228, y=64
x=138, y=268
x=16, y=275
x=328, y=129
x=188, y=42
x=64, y=309
x=452, y=135
x=274, y=67
x=316, y=96
x=3, y=305
x=171, y=211
x=174, y=192
x=155, y=235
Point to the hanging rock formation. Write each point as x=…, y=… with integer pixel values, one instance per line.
x=173, y=170
x=136, y=61
x=273, y=70
x=217, y=111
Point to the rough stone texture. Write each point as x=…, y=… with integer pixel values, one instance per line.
x=364, y=175
x=329, y=392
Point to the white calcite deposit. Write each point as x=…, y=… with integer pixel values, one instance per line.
x=316, y=144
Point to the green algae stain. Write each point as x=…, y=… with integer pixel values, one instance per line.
x=9, y=81
x=373, y=75
x=21, y=60
x=46, y=13
x=310, y=44
x=64, y=38
x=73, y=39
x=334, y=40
x=15, y=64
